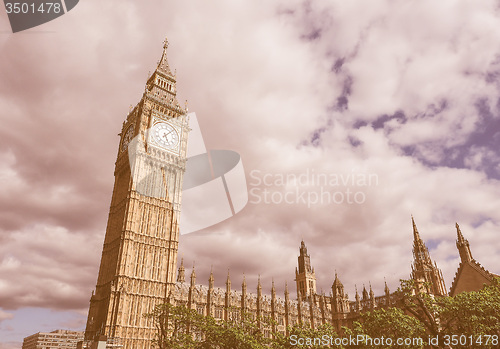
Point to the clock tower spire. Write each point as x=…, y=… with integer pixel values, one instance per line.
x=161, y=86
x=139, y=255
x=163, y=64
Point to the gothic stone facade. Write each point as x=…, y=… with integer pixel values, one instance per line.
x=470, y=276
x=139, y=257
x=313, y=309
x=310, y=308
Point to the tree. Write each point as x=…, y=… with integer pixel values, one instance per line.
x=180, y=327
x=422, y=306
x=389, y=327
x=305, y=337
x=244, y=333
x=175, y=326
x=468, y=320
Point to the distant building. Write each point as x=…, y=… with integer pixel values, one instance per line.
x=60, y=339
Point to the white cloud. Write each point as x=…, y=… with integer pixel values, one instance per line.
x=261, y=84
x=47, y=266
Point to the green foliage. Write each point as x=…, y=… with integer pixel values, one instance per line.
x=390, y=324
x=304, y=337
x=471, y=316
x=422, y=306
x=174, y=326
x=468, y=320
x=179, y=327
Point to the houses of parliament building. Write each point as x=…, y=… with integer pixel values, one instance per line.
x=138, y=267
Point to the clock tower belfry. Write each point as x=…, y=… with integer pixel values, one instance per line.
x=139, y=256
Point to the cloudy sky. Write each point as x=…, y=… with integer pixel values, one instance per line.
x=405, y=93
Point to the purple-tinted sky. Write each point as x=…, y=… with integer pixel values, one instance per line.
x=405, y=92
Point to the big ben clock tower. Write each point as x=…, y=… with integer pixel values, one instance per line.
x=139, y=254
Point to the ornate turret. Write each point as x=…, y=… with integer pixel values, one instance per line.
x=463, y=247
x=273, y=307
x=228, y=283
x=337, y=286
x=181, y=272
x=365, y=293
x=427, y=276
x=358, y=302
x=420, y=251
x=387, y=294
x=243, y=295
x=227, y=297
x=259, y=301
x=193, y=278
x=191, y=293
x=372, y=297
x=211, y=280
x=340, y=303
x=210, y=293
x=259, y=288
x=244, y=285
x=305, y=276
x=471, y=275
x=287, y=294
x=287, y=309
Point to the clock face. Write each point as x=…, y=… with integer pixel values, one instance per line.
x=127, y=137
x=165, y=135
